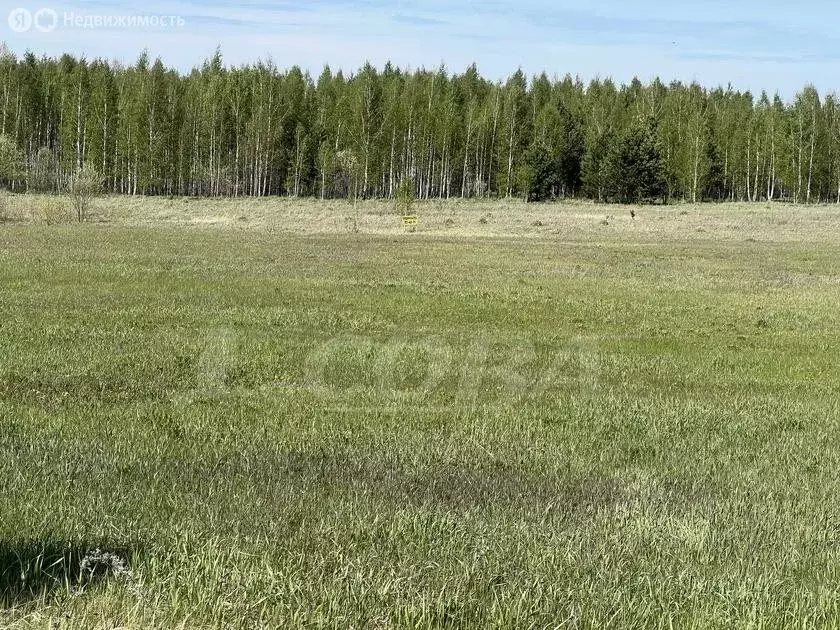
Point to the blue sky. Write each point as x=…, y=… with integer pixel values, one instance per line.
x=769, y=44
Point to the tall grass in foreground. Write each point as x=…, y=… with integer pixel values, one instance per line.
x=237, y=428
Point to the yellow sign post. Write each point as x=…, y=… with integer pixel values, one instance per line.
x=410, y=221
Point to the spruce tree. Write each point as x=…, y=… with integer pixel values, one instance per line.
x=634, y=166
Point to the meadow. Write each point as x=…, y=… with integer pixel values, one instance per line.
x=284, y=413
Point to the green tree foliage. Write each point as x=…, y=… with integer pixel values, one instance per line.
x=541, y=175
x=11, y=161
x=635, y=171
x=258, y=130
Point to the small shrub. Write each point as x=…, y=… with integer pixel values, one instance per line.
x=84, y=186
x=405, y=196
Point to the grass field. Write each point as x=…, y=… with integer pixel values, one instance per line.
x=291, y=414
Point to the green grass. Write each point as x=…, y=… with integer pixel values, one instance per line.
x=624, y=426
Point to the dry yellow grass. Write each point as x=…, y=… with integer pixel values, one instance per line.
x=572, y=221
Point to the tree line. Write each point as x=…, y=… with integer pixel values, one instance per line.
x=259, y=130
